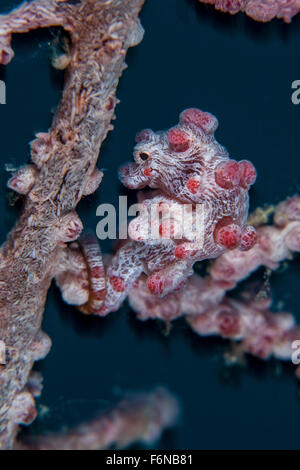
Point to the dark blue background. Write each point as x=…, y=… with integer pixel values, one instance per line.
x=242, y=72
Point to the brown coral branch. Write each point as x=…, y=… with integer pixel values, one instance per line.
x=63, y=170
x=137, y=418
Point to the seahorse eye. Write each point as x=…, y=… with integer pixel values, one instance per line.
x=144, y=156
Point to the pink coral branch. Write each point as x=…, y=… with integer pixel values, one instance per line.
x=199, y=210
x=62, y=171
x=259, y=10
x=258, y=331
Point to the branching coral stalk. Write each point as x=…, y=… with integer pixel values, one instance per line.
x=259, y=10
x=137, y=418
x=62, y=171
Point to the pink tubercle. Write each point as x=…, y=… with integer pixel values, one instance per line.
x=155, y=284
x=193, y=185
x=178, y=140
x=147, y=172
x=205, y=121
x=227, y=174
x=180, y=252
x=247, y=173
x=248, y=238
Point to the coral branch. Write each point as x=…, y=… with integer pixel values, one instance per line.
x=63, y=171
x=259, y=331
x=259, y=10
x=137, y=418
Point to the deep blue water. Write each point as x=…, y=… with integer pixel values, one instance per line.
x=242, y=72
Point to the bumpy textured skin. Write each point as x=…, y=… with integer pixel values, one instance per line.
x=190, y=171
x=259, y=10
